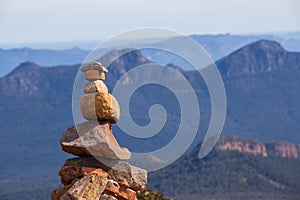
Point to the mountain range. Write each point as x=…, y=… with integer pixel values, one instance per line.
x=262, y=84
x=217, y=46
x=10, y=58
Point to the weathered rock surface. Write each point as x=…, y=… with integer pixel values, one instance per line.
x=57, y=193
x=100, y=105
x=94, y=66
x=107, y=197
x=94, y=71
x=114, y=189
x=95, y=86
x=123, y=173
x=93, y=75
x=92, y=138
x=126, y=174
x=90, y=187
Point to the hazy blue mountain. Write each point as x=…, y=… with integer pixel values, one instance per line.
x=10, y=58
x=35, y=108
x=217, y=46
x=258, y=57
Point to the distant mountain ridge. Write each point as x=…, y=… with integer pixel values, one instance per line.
x=29, y=78
x=218, y=46
x=10, y=58
x=261, y=87
x=260, y=56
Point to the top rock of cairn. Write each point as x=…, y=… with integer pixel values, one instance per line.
x=94, y=71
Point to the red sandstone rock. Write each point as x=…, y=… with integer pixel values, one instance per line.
x=113, y=189
x=121, y=172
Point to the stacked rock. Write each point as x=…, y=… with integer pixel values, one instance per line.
x=98, y=172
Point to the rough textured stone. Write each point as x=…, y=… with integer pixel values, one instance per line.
x=57, y=193
x=69, y=173
x=95, y=139
x=123, y=173
x=93, y=75
x=90, y=187
x=100, y=105
x=95, y=86
x=126, y=174
x=121, y=193
x=94, y=66
x=94, y=71
x=107, y=197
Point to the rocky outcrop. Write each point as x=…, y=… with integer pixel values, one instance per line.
x=283, y=149
x=245, y=146
x=98, y=173
x=280, y=149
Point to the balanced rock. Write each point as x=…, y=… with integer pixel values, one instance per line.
x=92, y=138
x=94, y=71
x=98, y=173
x=123, y=173
x=95, y=86
x=101, y=106
x=90, y=187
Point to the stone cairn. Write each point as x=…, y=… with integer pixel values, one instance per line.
x=101, y=176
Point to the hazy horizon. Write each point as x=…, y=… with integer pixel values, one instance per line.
x=88, y=44
x=33, y=21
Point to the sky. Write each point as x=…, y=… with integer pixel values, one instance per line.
x=24, y=21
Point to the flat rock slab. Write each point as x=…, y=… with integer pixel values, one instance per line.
x=101, y=106
x=92, y=138
x=123, y=173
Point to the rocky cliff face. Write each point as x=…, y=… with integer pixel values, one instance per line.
x=234, y=143
x=283, y=149
x=280, y=149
